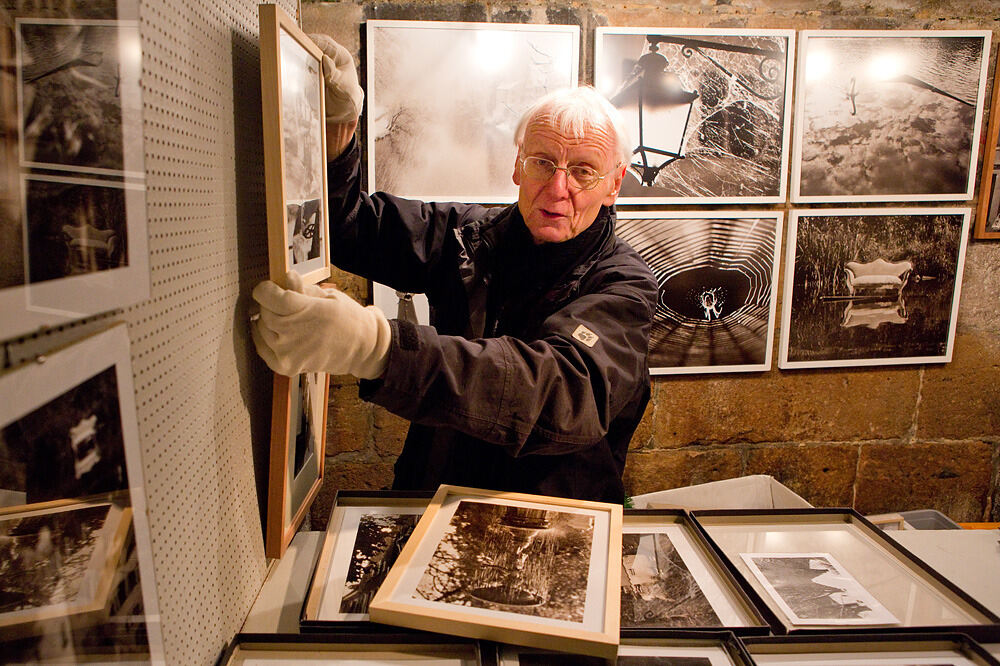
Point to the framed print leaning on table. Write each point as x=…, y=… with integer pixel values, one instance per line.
x=292, y=99
x=510, y=567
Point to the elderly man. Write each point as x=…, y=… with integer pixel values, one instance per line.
x=533, y=375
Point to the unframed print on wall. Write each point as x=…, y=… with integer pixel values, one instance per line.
x=874, y=286
x=72, y=203
x=428, y=141
x=888, y=116
x=715, y=100
x=717, y=274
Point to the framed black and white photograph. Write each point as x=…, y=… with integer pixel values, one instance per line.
x=72, y=202
x=71, y=443
x=813, y=588
x=717, y=275
x=292, y=104
x=364, y=536
x=429, y=143
x=298, y=452
x=915, y=594
x=517, y=568
x=672, y=579
x=988, y=211
x=915, y=649
x=873, y=286
x=708, y=110
x=888, y=115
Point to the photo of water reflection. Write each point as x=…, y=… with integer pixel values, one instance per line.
x=872, y=286
x=888, y=116
x=716, y=275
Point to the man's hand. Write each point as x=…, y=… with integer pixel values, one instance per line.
x=344, y=97
x=312, y=329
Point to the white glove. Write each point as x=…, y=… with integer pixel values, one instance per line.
x=344, y=97
x=312, y=329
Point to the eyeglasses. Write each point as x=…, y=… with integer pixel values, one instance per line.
x=541, y=169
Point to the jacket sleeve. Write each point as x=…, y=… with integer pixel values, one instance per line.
x=552, y=395
x=382, y=237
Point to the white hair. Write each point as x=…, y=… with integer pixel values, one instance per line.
x=576, y=111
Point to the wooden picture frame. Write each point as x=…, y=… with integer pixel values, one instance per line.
x=294, y=124
x=93, y=536
x=363, y=537
x=941, y=649
x=987, y=225
x=851, y=144
x=872, y=286
x=670, y=571
x=725, y=138
x=916, y=594
x=362, y=647
x=717, y=274
x=298, y=453
x=530, y=570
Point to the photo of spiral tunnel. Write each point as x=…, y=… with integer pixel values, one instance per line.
x=717, y=276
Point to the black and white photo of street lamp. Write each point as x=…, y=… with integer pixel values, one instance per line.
x=888, y=116
x=717, y=276
x=706, y=110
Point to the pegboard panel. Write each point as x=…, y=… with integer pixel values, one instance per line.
x=202, y=395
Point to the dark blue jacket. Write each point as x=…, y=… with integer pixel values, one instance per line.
x=533, y=376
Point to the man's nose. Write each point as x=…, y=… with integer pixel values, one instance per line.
x=559, y=183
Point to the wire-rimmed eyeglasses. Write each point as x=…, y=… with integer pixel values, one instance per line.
x=541, y=169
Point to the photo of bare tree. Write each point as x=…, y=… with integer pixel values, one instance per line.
x=813, y=588
x=428, y=144
x=380, y=538
x=888, y=116
x=658, y=589
x=706, y=109
x=872, y=286
x=529, y=561
x=717, y=277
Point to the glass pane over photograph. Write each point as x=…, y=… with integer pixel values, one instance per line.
x=912, y=595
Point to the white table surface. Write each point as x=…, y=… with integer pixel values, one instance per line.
x=969, y=558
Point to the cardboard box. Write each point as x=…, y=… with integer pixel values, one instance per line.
x=758, y=491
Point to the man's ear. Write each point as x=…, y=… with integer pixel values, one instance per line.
x=516, y=176
x=616, y=187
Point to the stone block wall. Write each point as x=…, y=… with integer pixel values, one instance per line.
x=878, y=439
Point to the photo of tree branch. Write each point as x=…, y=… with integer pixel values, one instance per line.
x=379, y=540
x=527, y=561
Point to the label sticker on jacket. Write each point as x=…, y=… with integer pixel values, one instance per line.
x=585, y=335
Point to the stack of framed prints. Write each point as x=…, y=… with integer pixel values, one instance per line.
x=292, y=99
x=510, y=567
x=72, y=193
x=356, y=649
x=672, y=579
x=366, y=533
x=895, y=650
x=75, y=556
x=825, y=570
